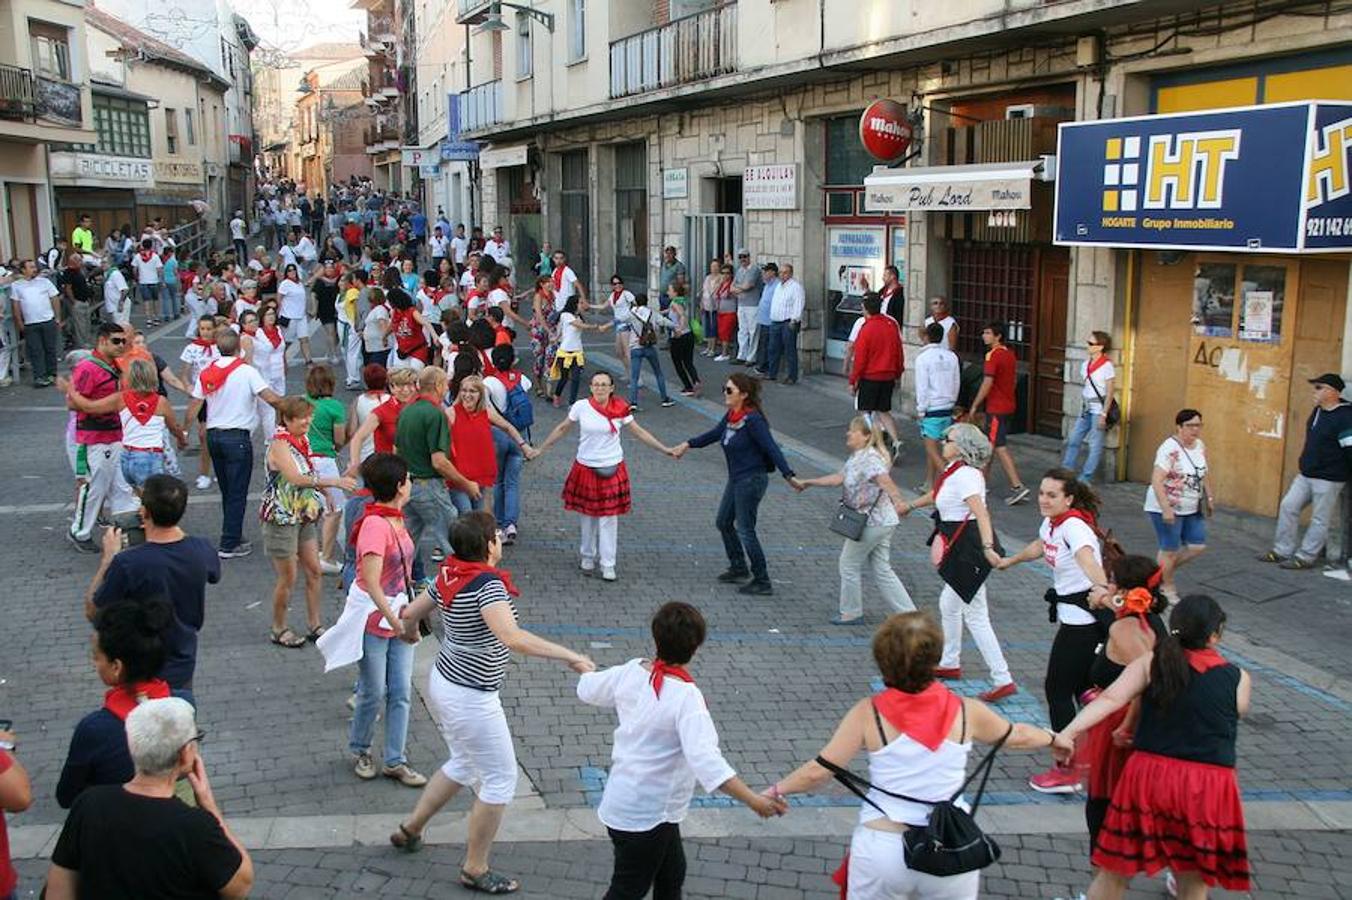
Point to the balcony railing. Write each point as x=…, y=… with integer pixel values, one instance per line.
x=481, y=106
x=18, y=100
x=688, y=49
x=470, y=12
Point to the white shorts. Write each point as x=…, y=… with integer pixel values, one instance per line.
x=297, y=329
x=406, y=362
x=327, y=467
x=122, y=316
x=475, y=730
x=878, y=872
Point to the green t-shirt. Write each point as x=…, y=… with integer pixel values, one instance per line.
x=328, y=414
x=421, y=431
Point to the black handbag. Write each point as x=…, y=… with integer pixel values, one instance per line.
x=951, y=842
x=849, y=522
x=1113, y=414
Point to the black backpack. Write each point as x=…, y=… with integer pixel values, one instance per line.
x=647, y=335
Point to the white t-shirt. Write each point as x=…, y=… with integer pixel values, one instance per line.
x=438, y=246
x=459, y=247
x=35, y=299
x=198, y=358
x=951, y=501
x=363, y=406
x=499, y=297
x=620, y=308
x=242, y=306
x=270, y=361
x=597, y=444
x=237, y=229
x=375, y=333
x=147, y=270
x=1184, y=469
x=1102, y=375
x=497, y=391
x=305, y=249
x=566, y=289
x=1059, y=551
x=467, y=280
x=499, y=252
x=947, y=322
x=291, y=299
x=663, y=745
x=570, y=336
x=855, y=329
x=232, y=404
x=288, y=255
x=114, y=286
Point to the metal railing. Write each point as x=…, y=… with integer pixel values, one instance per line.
x=467, y=8
x=691, y=48
x=481, y=106
x=17, y=98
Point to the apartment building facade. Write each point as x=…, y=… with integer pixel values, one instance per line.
x=617, y=128
x=391, y=91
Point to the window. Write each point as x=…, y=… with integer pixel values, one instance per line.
x=525, y=52
x=123, y=127
x=631, y=213
x=577, y=32
x=51, y=49
x=847, y=162
x=188, y=128
x=171, y=129
x=574, y=192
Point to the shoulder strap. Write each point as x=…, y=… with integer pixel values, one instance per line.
x=877, y=720
x=1089, y=377
x=984, y=768
x=962, y=735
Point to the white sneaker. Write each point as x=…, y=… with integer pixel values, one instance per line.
x=608, y=573
x=203, y=482
x=588, y=566
x=722, y=357
x=329, y=567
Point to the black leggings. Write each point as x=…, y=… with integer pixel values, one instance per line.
x=1095, y=811
x=569, y=373
x=683, y=359
x=1072, y=654
x=647, y=860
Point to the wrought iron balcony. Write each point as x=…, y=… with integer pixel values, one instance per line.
x=18, y=99
x=691, y=48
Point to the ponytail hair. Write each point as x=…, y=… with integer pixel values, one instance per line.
x=875, y=437
x=1082, y=496
x=1194, y=620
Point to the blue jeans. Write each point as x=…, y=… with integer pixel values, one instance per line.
x=463, y=504
x=736, y=522
x=507, y=493
x=169, y=301
x=1085, y=426
x=783, y=343
x=386, y=674
x=429, y=510
x=232, y=459
x=138, y=465
x=636, y=357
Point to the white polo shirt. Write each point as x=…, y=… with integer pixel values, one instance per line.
x=232, y=404
x=35, y=299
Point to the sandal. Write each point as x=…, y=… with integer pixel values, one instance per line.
x=287, y=638
x=406, y=840
x=316, y=633
x=489, y=882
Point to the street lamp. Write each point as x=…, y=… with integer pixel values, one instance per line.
x=493, y=20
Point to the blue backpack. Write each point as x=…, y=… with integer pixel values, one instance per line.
x=519, y=410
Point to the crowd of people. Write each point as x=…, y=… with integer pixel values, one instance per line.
x=1142, y=707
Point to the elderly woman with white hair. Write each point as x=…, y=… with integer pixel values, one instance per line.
x=137, y=839
x=964, y=555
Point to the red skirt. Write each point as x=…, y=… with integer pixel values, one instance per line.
x=1175, y=814
x=587, y=493
x=727, y=327
x=1105, y=760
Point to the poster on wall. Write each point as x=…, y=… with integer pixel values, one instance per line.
x=855, y=257
x=899, y=252
x=1256, y=325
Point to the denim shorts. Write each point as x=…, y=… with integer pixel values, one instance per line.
x=932, y=428
x=138, y=465
x=1189, y=531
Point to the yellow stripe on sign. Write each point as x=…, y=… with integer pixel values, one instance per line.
x=1331, y=83
x=1207, y=95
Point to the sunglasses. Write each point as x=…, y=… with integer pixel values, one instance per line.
x=729, y=389
x=117, y=342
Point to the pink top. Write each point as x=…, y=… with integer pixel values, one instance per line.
x=380, y=538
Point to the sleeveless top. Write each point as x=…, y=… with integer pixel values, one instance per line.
x=1200, y=725
x=1103, y=671
x=472, y=450
x=136, y=436
x=906, y=766
x=285, y=503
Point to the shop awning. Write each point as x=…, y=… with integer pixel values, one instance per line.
x=979, y=186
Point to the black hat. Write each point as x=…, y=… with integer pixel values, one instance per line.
x=1330, y=379
x=769, y=267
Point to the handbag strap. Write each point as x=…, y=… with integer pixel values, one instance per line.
x=952, y=542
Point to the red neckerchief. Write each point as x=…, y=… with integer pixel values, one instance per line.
x=300, y=444
x=273, y=334
x=510, y=379
x=472, y=294
x=121, y=700
x=615, y=296
x=558, y=277
x=615, y=408
x=723, y=290
x=213, y=377
x=204, y=342
x=1096, y=364
x=486, y=363
x=372, y=510
x=1204, y=660
x=1080, y=514
x=455, y=573
x=496, y=241
x=661, y=670
x=925, y=717
x=146, y=255
x=141, y=405
x=944, y=475
x=737, y=415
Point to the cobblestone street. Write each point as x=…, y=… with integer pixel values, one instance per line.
x=776, y=674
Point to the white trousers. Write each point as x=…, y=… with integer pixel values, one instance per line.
x=746, y=332
x=977, y=617
x=267, y=416
x=352, y=355
x=600, y=538
x=874, y=549
x=103, y=483
x=878, y=872
x=475, y=730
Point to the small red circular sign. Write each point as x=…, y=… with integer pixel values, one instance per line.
x=884, y=131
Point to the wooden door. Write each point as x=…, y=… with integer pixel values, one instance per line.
x=22, y=209
x=1318, y=346
x=1159, y=361
x=1049, y=357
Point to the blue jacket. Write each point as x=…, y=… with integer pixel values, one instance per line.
x=1327, y=454
x=750, y=449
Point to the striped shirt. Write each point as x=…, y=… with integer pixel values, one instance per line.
x=471, y=655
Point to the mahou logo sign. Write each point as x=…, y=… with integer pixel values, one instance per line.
x=884, y=131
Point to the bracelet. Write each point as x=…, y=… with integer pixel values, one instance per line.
x=988, y=546
x=774, y=792
x=1052, y=735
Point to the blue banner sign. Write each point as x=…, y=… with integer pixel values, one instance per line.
x=1258, y=179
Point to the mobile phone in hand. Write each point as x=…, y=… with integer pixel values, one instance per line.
x=6, y=725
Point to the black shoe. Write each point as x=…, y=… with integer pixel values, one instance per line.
x=732, y=576
x=757, y=588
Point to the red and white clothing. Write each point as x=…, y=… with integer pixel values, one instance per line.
x=148, y=266
x=565, y=285
x=598, y=484
x=501, y=251
x=198, y=354
x=141, y=431
x=1060, y=545
x=363, y=407
x=232, y=405
x=341, y=645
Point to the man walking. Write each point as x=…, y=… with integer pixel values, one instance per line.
x=878, y=363
x=746, y=284
x=938, y=379
x=237, y=227
x=997, y=394
x=37, y=316
x=229, y=386
x=98, y=440
x=422, y=437
x=786, y=319
x=1324, y=464
x=149, y=267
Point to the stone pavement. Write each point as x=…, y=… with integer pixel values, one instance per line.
x=777, y=677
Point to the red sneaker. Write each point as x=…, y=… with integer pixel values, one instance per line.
x=1056, y=780
x=952, y=674
x=999, y=692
